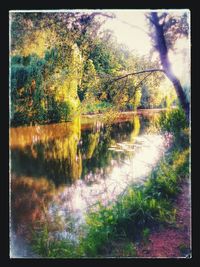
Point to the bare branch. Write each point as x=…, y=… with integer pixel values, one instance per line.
x=136, y=73
x=162, y=18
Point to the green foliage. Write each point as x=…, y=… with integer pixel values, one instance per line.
x=100, y=230
x=20, y=118
x=146, y=233
x=60, y=111
x=174, y=121
x=98, y=107
x=26, y=89
x=145, y=99
x=32, y=99
x=128, y=250
x=103, y=58
x=137, y=98
x=39, y=242
x=19, y=77
x=89, y=85
x=163, y=182
x=43, y=245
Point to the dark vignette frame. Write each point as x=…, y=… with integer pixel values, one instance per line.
x=4, y=112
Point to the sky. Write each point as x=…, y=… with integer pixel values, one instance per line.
x=130, y=27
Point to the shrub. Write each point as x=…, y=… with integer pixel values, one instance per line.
x=20, y=118
x=47, y=247
x=162, y=183
x=175, y=122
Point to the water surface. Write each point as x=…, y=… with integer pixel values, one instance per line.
x=61, y=171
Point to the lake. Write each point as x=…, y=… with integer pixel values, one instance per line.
x=59, y=172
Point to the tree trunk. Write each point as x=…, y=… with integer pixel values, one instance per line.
x=160, y=44
x=179, y=91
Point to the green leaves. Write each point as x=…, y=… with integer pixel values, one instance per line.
x=44, y=86
x=174, y=121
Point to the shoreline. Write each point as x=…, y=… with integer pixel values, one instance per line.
x=123, y=113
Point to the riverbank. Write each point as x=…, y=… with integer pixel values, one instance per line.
x=22, y=136
x=113, y=227
x=172, y=241
x=168, y=233
x=104, y=156
x=122, y=114
x=142, y=214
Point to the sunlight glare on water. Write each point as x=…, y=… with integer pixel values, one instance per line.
x=80, y=197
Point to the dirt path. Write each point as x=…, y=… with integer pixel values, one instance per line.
x=172, y=242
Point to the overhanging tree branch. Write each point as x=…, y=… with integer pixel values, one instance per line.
x=138, y=72
x=143, y=80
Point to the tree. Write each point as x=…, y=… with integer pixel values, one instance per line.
x=51, y=49
x=166, y=30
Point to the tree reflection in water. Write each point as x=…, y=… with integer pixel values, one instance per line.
x=58, y=172
x=29, y=201
x=58, y=159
